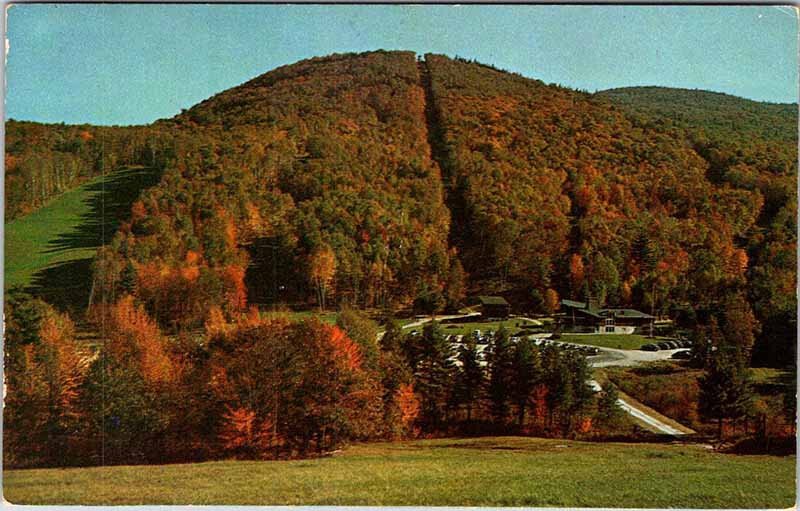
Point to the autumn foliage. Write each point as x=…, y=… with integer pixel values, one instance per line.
x=44, y=371
x=135, y=338
x=376, y=181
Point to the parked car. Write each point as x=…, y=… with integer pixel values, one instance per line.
x=649, y=347
x=664, y=345
x=682, y=355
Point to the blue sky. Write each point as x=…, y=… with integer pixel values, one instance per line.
x=130, y=64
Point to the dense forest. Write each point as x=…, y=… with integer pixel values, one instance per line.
x=390, y=183
x=311, y=183
x=564, y=191
x=44, y=160
x=747, y=146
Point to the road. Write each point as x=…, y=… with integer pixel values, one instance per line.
x=654, y=423
x=427, y=319
x=609, y=357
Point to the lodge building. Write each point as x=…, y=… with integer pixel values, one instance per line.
x=587, y=316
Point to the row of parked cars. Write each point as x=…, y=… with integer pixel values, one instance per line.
x=667, y=345
x=486, y=338
x=587, y=350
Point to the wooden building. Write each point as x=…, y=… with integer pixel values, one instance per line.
x=494, y=307
x=588, y=317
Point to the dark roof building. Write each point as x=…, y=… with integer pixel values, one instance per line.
x=609, y=320
x=494, y=307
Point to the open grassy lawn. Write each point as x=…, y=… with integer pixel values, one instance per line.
x=619, y=341
x=513, y=325
x=508, y=471
x=50, y=250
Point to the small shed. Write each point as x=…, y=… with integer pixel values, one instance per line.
x=494, y=307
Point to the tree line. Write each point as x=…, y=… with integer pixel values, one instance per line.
x=257, y=387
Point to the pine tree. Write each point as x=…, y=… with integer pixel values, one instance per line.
x=470, y=377
x=392, y=338
x=608, y=410
x=725, y=391
x=500, y=375
x=434, y=371
x=526, y=374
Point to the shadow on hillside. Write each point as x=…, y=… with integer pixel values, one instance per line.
x=67, y=285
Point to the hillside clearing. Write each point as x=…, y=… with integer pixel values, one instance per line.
x=50, y=250
x=503, y=471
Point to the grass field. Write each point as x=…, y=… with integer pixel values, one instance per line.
x=463, y=328
x=619, y=341
x=50, y=250
x=508, y=471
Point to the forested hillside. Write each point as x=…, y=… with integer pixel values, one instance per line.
x=388, y=183
x=565, y=191
x=315, y=184
x=747, y=146
x=721, y=116
x=316, y=175
x=45, y=160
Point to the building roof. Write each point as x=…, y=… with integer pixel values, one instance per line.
x=583, y=308
x=492, y=300
x=573, y=304
x=627, y=313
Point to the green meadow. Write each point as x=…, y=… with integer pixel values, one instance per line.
x=50, y=250
x=500, y=471
x=618, y=341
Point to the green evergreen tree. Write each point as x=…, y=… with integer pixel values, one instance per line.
x=725, y=391
x=501, y=366
x=470, y=377
x=433, y=372
x=526, y=374
x=608, y=411
x=392, y=338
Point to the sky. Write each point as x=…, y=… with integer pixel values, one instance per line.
x=133, y=64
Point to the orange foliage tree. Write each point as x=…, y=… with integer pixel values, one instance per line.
x=551, y=301
x=135, y=338
x=244, y=434
x=44, y=369
x=322, y=269
x=305, y=379
x=409, y=405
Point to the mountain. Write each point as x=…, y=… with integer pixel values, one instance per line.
x=718, y=114
x=747, y=145
x=386, y=180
